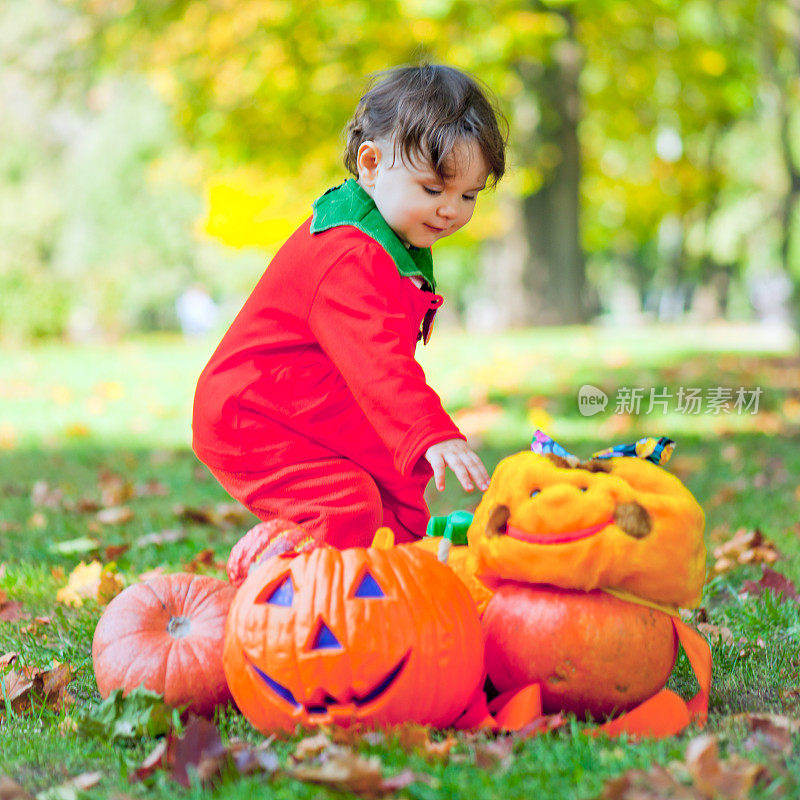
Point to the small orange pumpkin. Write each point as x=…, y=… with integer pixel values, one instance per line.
x=166, y=634
x=364, y=635
x=589, y=651
x=274, y=537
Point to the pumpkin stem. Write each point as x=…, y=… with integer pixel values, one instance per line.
x=178, y=627
x=384, y=539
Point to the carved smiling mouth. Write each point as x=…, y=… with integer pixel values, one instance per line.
x=322, y=708
x=557, y=538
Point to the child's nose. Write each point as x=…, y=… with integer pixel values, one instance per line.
x=447, y=208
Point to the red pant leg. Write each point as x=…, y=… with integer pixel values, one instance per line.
x=335, y=500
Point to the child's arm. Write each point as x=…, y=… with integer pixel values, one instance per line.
x=465, y=463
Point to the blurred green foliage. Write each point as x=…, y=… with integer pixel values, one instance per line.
x=133, y=129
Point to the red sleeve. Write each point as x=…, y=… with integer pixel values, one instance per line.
x=359, y=317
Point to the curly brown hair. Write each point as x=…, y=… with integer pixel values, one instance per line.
x=425, y=111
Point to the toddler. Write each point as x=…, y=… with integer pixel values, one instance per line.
x=313, y=408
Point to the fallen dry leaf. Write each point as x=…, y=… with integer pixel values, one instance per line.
x=731, y=779
x=231, y=514
x=115, y=490
x=771, y=581
x=744, y=547
x=157, y=538
x=655, y=784
x=203, y=559
x=203, y=515
x=114, y=551
x=85, y=505
x=773, y=730
x=223, y=515
x=311, y=746
x=494, y=753
x=154, y=761
x=27, y=688
x=10, y=610
x=543, y=724
x=11, y=790
x=90, y=581
x=152, y=488
x=7, y=659
x=115, y=515
x=248, y=759
x=200, y=749
x=715, y=632
x=37, y=521
x=46, y=496
x=342, y=768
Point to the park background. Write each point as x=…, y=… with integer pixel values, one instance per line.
x=149, y=148
x=646, y=237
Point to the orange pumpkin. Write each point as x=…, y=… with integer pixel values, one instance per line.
x=166, y=634
x=264, y=540
x=364, y=635
x=621, y=523
x=589, y=652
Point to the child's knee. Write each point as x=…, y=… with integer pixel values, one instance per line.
x=352, y=518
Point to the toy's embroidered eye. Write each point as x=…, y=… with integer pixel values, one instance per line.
x=368, y=587
x=534, y=492
x=325, y=639
x=282, y=595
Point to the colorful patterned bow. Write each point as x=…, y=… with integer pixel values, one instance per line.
x=656, y=450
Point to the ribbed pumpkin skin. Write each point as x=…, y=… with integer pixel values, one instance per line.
x=589, y=651
x=266, y=539
x=134, y=643
x=426, y=621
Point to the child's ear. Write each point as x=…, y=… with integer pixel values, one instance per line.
x=367, y=160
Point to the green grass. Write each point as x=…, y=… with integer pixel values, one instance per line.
x=69, y=414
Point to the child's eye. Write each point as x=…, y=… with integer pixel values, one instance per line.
x=470, y=198
x=429, y=190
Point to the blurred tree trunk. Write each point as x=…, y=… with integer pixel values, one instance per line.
x=782, y=80
x=554, y=278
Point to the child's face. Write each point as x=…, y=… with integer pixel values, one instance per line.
x=416, y=203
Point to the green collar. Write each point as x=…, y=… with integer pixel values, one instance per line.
x=349, y=204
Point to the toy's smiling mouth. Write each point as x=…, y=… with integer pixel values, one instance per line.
x=557, y=538
x=332, y=702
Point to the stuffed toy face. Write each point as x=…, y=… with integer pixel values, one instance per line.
x=618, y=523
x=358, y=636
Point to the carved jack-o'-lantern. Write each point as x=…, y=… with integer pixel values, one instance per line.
x=621, y=524
x=364, y=635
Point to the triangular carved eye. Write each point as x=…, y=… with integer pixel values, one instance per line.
x=282, y=595
x=325, y=639
x=368, y=587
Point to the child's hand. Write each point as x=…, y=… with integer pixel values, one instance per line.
x=465, y=463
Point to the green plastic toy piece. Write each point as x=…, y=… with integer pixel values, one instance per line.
x=453, y=527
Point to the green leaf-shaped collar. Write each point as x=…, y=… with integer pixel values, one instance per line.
x=349, y=204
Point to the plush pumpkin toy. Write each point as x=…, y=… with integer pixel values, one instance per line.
x=371, y=636
x=622, y=524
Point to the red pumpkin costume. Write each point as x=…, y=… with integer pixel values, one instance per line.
x=312, y=407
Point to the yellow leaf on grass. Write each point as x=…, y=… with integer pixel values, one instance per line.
x=90, y=581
